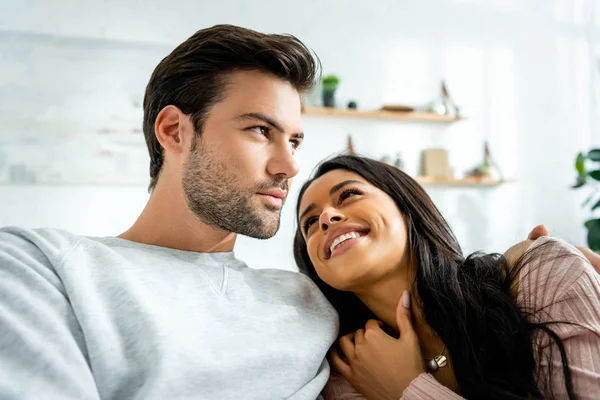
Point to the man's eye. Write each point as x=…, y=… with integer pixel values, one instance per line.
x=295, y=144
x=261, y=130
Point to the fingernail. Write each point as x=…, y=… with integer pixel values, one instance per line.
x=406, y=299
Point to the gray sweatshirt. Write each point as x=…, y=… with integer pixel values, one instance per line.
x=105, y=318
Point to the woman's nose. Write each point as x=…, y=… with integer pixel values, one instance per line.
x=329, y=217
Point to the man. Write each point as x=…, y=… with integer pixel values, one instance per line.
x=165, y=310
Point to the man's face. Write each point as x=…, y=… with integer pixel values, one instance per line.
x=237, y=175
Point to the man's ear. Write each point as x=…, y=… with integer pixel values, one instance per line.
x=173, y=129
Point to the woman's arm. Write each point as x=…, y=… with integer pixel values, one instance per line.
x=424, y=387
x=338, y=388
x=592, y=257
x=561, y=283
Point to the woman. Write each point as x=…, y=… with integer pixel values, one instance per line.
x=487, y=326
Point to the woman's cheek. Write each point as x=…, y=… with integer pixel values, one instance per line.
x=313, y=252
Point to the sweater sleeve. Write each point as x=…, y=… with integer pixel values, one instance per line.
x=425, y=387
x=561, y=287
x=42, y=350
x=558, y=285
x=338, y=388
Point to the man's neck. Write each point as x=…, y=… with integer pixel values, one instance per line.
x=167, y=221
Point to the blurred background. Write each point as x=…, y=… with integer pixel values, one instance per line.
x=520, y=77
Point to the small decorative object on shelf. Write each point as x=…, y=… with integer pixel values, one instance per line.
x=330, y=84
x=398, y=163
x=436, y=171
x=350, y=149
x=435, y=164
x=397, y=108
x=352, y=105
x=445, y=105
x=386, y=160
x=488, y=169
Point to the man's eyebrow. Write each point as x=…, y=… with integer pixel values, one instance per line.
x=333, y=190
x=261, y=117
x=264, y=118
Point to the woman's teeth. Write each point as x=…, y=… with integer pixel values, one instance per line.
x=342, y=238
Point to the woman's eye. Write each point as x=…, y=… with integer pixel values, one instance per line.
x=349, y=193
x=308, y=223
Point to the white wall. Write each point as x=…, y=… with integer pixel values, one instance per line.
x=523, y=72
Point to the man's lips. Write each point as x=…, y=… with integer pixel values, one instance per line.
x=274, y=197
x=278, y=193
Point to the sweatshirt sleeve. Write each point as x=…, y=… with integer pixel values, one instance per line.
x=42, y=349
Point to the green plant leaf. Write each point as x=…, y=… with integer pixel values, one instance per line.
x=580, y=164
x=595, y=174
x=593, y=237
x=331, y=80
x=594, y=155
x=590, y=222
x=579, y=183
x=589, y=198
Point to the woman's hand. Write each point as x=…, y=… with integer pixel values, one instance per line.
x=592, y=257
x=378, y=365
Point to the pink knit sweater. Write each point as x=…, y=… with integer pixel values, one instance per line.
x=559, y=279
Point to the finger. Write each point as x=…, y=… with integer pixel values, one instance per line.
x=347, y=345
x=340, y=365
x=377, y=327
x=374, y=326
x=359, y=336
x=538, y=232
x=403, y=316
x=592, y=257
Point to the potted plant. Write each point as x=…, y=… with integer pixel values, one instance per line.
x=330, y=84
x=590, y=178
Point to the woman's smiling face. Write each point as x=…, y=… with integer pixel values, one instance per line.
x=354, y=232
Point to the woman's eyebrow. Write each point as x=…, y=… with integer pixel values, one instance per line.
x=307, y=210
x=340, y=185
x=336, y=188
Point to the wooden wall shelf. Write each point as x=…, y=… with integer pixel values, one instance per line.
x=381, y=114
x=430, y=181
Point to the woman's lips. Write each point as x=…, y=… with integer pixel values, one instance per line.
x=345, y=246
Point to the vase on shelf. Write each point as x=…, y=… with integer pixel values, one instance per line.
x=330, y=84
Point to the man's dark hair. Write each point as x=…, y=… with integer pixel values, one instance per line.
x=193, y=76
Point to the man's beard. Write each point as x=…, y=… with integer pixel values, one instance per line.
x=214, y=193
